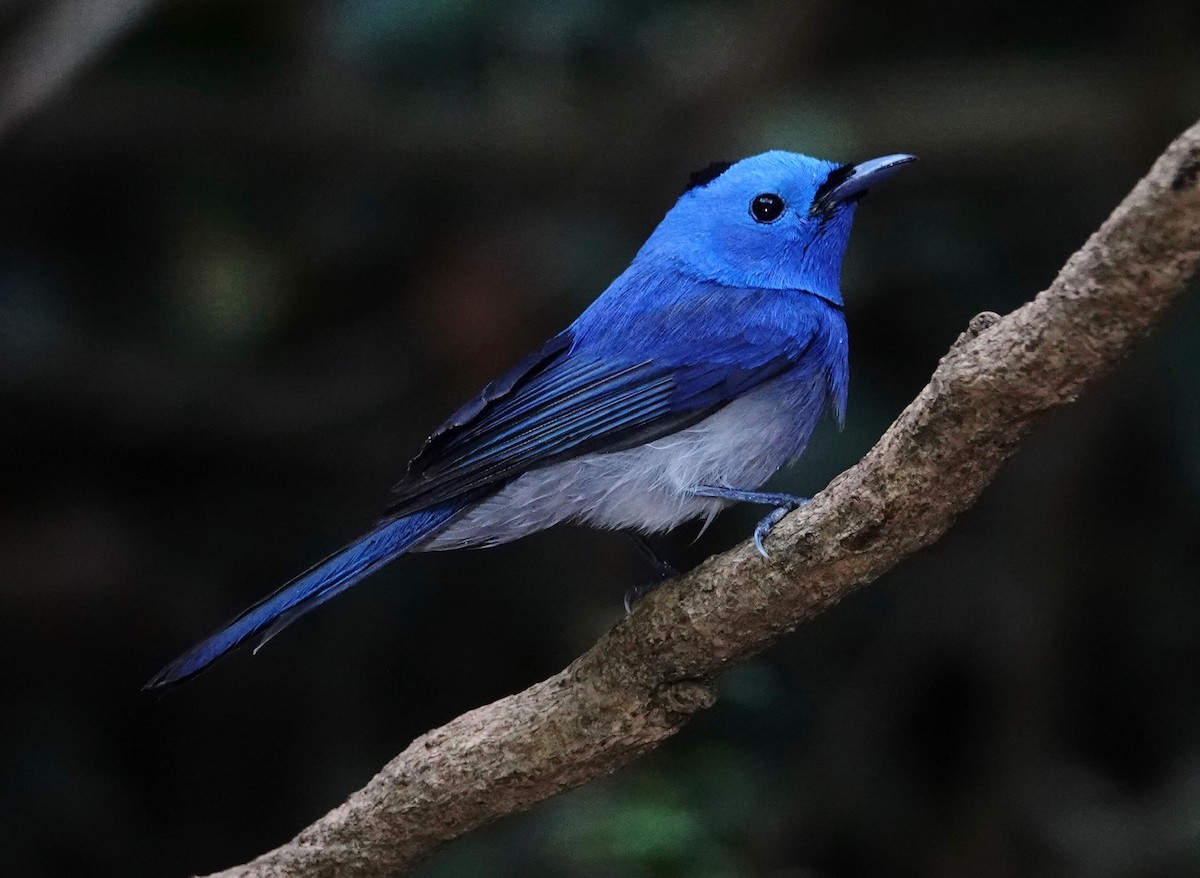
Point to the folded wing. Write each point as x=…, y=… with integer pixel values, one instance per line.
x=561, y=403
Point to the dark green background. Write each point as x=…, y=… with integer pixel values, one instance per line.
x=254, y=254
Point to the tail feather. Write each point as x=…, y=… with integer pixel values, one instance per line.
x=310, y=589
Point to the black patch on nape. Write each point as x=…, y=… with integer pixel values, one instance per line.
x=836, y=178
x=707, y=174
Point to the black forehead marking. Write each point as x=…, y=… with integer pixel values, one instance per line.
x=707, y=174
x=836, y=178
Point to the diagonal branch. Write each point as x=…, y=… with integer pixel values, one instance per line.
x=639, y=684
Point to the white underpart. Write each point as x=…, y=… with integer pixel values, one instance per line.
x=646, y=488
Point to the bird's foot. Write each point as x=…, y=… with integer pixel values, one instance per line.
x=763, y=528
x=663, y=570
x=635, y=593
x=783, y=503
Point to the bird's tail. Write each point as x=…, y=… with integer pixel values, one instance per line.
x=310, y=589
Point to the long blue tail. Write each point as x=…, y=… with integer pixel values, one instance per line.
x=310, y=589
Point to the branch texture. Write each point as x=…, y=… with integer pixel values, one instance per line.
x=639, y=684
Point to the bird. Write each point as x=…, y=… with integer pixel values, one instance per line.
x=699, y=372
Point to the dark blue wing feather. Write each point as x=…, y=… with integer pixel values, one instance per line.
x=503, y=386
x=571, y=402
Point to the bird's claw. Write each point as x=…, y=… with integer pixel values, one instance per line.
x=763, y=529
x=663, y=570
x=635, y=593
x=784, y=504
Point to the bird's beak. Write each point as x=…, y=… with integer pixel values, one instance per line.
x=851, y=182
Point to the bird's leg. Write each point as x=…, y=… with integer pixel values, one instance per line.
x=783, y=503
x=663, y=570
x=661, y=565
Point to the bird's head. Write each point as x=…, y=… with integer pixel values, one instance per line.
x=779, y=220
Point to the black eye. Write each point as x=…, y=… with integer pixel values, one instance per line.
x=766, y=208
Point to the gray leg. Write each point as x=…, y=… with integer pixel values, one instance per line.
x=783, y=503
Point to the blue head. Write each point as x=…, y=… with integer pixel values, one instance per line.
x=779, y=220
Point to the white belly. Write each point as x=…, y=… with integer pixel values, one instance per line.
x=646, y=488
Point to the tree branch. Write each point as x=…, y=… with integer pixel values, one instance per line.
x=639, y=684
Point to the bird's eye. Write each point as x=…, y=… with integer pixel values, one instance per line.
x=766, y=208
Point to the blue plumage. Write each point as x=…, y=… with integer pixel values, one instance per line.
x=696, y=375
x=324, y=580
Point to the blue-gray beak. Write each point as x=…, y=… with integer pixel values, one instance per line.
x=851, y=182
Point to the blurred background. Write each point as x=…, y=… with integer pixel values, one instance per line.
x=252, y=254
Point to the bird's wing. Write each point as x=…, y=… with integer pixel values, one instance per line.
x=559, y=403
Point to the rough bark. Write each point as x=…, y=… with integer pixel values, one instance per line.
x=639, y=684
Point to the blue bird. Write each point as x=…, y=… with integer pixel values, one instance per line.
x=697, y=374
